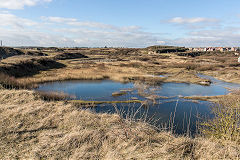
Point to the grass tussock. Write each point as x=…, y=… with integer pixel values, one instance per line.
x=10, y=82
x=53, y=96
x=31, y=128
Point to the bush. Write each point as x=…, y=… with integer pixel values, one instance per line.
x=144, y=59
x=234, y=64
x=226, y=124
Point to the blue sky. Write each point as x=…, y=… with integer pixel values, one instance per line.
x=125, y=23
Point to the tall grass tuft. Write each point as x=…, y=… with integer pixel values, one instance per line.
x=10, y=82
x=226, y=124
x=54, y=96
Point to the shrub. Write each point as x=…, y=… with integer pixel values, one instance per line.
x=144, y=59
x=226, y=122
x=234, y=64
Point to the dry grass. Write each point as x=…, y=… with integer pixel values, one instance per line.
x=27, y=66
x=53, y=96
x=121, y=65
x=187, y=66
x=31, y=128
x=10, y=82
x=127, y=63
x=221, y=66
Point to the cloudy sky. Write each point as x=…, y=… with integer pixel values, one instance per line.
x=120, y=23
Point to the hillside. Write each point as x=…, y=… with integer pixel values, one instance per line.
x=31, y=128
x=6, y=52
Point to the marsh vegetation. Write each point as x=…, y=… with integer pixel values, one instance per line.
x=40, y=125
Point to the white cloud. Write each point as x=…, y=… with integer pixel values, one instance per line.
x=70, y=32
x=180, y=20
x=59, y=31
x=76, y=23
x=20, y=4
x=227, y=36
x=10, y=20
x=59, y=19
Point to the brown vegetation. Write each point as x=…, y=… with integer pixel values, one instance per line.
x=120, y=65
x=28, y=66
x=65, y=55
x=34, y=129
x=10, y=82
x=6, y=52
x=53, y=96
x=35, y=126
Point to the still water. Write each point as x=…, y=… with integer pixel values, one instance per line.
x=168, y=105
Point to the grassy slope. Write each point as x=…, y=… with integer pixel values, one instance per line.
x=33, y=129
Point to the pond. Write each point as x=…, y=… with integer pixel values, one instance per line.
x=166, y=105
x=220, y=83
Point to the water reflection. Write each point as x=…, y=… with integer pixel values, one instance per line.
x=167, y=95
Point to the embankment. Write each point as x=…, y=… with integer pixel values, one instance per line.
x=29, y=67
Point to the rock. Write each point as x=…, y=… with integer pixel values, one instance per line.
x=205, y=83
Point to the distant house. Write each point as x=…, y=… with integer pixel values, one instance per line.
x=239, y=60
x=190, y=49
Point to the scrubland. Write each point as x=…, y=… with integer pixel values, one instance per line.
x=39, y=126
x=120, y=65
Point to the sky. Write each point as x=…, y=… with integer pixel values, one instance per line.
x=120, y=23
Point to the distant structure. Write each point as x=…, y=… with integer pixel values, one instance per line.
x=1, y=43
x=239, y=60
x=220, y=49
